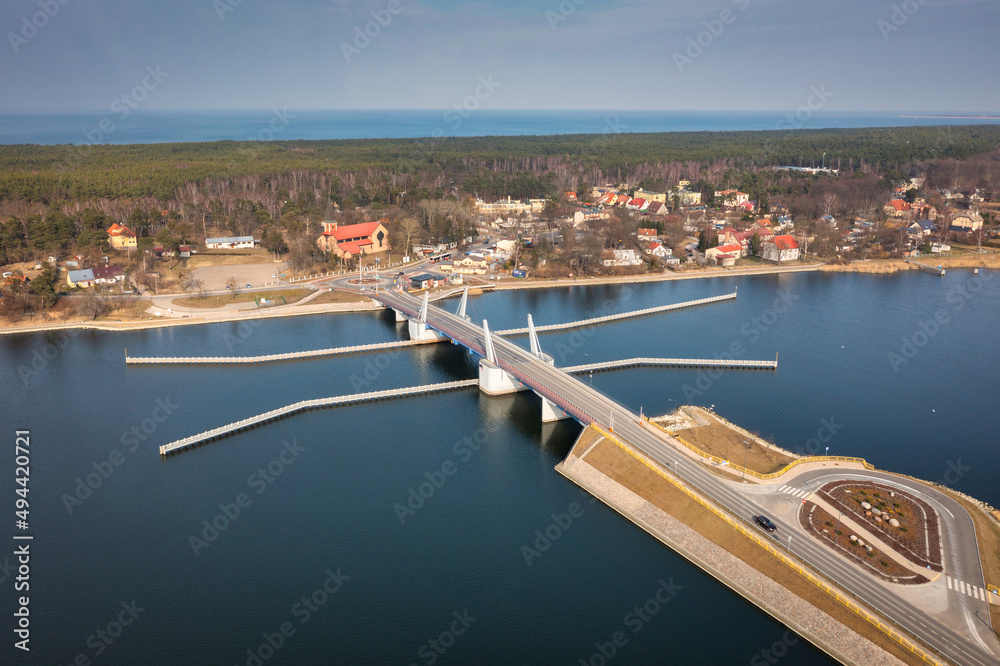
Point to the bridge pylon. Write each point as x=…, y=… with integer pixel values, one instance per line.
x=536, y=348
x=462, y=304
x=418, y=328
x=494, y=380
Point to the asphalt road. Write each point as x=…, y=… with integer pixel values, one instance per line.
x=975, y=646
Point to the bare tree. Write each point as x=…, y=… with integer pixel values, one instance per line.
x=233, y=286
x=91, y=305
x=408, y=227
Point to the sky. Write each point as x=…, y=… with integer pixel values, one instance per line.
x=920, y=56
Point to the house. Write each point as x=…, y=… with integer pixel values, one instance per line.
x=470, y=265
x=646, y=234
x=722, y=253
x=232, y=243
x=922, y=228
x=897, y=208
x=571, y=196
x=108, y=274
x=185, y=251
x=658, y=250
x=828, y=220
x=937, y=248
x=966, y=222
x=660, y=197
x=657, y=208
x=637, y=204
x=732, y=197
x=82, y=278
x=608, y=199
x=685, y=196
x=121, y=237
x=781, y=249
x=624, y=258
x=352, y=240
x=785, y=222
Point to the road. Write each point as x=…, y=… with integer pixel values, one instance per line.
x=973, y=647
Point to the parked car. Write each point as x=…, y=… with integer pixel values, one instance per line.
x=766, y=523
x=248, y=285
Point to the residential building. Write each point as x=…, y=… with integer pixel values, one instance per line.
x=937, y=248
x=651, y=196
x=658, y=250
x=121, y=237
x=897, y=208
x=353, y=240
x=646, y=234
x=922, y=228
x=637, y=204
x=781, y=249
x=81, y=278
x=231, y=243
x=624, y=258
x=424, y=281
x=108, y=274
x=732, y=197
x=713, y=254
x=966, y=221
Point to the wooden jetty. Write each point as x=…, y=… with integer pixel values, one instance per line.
x=269, y=358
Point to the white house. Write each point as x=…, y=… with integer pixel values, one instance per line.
x=658, y=250
x=624, y=258
x=231, y=243
x=781, y=249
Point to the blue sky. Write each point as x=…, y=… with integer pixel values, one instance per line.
x=941, y=55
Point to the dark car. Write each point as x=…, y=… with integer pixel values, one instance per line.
x=766, y=523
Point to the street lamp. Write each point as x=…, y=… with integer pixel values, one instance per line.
x=836, y=531
x=746, y=450
x=789, y=544
x=827, y=452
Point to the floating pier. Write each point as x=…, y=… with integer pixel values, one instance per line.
x=270, y=358
x=675, y=363
x=623, y=315
x=930, y=269
x=305, y=405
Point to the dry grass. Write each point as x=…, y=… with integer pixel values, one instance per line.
x=338, y=297
x=231, y=258
x=626, y=470
x=718, y=439
x=133, y=311
x=210, y=302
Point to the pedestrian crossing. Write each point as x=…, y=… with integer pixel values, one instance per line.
x=794, y=492
x=961, y=587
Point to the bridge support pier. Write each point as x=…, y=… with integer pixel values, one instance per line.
x=494, y=380
x=552, y=412
x=418, y=330
x=400, y=317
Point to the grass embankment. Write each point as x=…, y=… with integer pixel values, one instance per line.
x=338, y=297
x=209, y=302
x=720, y=439
x=228, y=258
x=132, y=311
x=621, y=467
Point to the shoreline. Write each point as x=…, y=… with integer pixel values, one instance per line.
x=989, y=261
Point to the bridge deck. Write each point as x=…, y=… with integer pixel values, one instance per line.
x=269, y=358
x=675, y=363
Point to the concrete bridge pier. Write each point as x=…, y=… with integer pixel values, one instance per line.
x=494, y=380
x=400, y=317
x=418, y=328
x=552, y=412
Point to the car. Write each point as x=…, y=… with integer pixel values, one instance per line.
x=229, y=287
x=248, y=285
x=273, y=275
x=766, y=523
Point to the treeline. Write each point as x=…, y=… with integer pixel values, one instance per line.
x=523, y=166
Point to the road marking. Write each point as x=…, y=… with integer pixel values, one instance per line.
x=949, y=583
x=961, y=586
x=783, y=488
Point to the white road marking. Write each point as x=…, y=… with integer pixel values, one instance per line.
x=949, y=582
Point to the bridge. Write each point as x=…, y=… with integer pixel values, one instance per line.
x=507, y=368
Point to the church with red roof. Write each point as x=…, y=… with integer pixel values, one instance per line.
x=353, y=240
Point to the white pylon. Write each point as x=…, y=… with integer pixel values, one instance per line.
x=423, y=308
x=536, y=349
x=491, y=355
x=462, y=304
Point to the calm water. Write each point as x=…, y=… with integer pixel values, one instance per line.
x=182, y=126
x=332, y=507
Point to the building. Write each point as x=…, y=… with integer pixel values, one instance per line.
x=922, y=228
x=937, y=248
x=732, y=197
x=588, y=214
x=185, y=251
x=714, y=254
x=108, y=274
x=637, y=204
x=781, y=249
x=897, y=208
x=624, y=258
x=470, y=265
x=651, y=196
x=424, y=281
x=353, y=240
x=232, y=243
x=83, y=278
x=966, y=222
x=658, y=250
x=121, y=237
x=646, y=234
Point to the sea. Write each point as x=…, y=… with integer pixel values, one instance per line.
x=144, y=126
x=394, y=532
